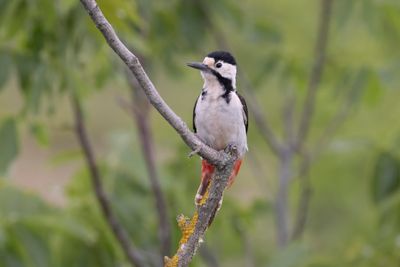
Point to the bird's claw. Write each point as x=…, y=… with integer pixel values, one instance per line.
x=194, y=152
x=198, y=199
x=231, y=149
x=220, y=203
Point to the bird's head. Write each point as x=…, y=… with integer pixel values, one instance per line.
x=217, y=66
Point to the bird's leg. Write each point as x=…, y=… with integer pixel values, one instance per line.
x=231, y=149
x=194, y=152
x=207, y=171
x=235, y=171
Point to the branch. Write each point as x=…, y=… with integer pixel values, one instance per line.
x=193, y=230
x=152, y=94
x=316, y=72
x=119, y=232
x=141, y=115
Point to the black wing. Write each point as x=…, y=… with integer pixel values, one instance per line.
x=246, y=113
x=194, y=116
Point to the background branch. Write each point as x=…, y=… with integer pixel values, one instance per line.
x=141, y=115
x=119, y=232
x=316, y=72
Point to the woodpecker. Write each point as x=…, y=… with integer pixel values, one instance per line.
x=220, y=116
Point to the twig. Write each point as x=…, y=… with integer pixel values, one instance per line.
x=223, y=161
x=146, y=84
x=119, y=232
x=141, y=116
x=194, y=152
x=316, y=72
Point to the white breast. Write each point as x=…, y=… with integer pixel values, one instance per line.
x=220, y=123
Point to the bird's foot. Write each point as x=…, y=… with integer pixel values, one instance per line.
x=231, y=149
x=194, y=152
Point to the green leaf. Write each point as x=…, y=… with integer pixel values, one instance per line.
x=386, y=178
x=8, y=143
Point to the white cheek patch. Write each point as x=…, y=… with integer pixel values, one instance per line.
x=228, y=71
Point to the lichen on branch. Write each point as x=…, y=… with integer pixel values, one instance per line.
x=187, y=227
x=193, y=229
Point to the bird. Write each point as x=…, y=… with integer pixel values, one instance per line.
x=220, y=116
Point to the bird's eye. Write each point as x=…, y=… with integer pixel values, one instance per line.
x=218, y=65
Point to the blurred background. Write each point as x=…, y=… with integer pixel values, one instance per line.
x=320, y=185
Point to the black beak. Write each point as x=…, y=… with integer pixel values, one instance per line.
x=199, y=66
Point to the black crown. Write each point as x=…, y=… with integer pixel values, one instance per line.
x=224, y=56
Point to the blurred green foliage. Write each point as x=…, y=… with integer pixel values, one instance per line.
x=50, y=50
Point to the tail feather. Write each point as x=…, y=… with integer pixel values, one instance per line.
x=207, y=171
x=235, y=171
